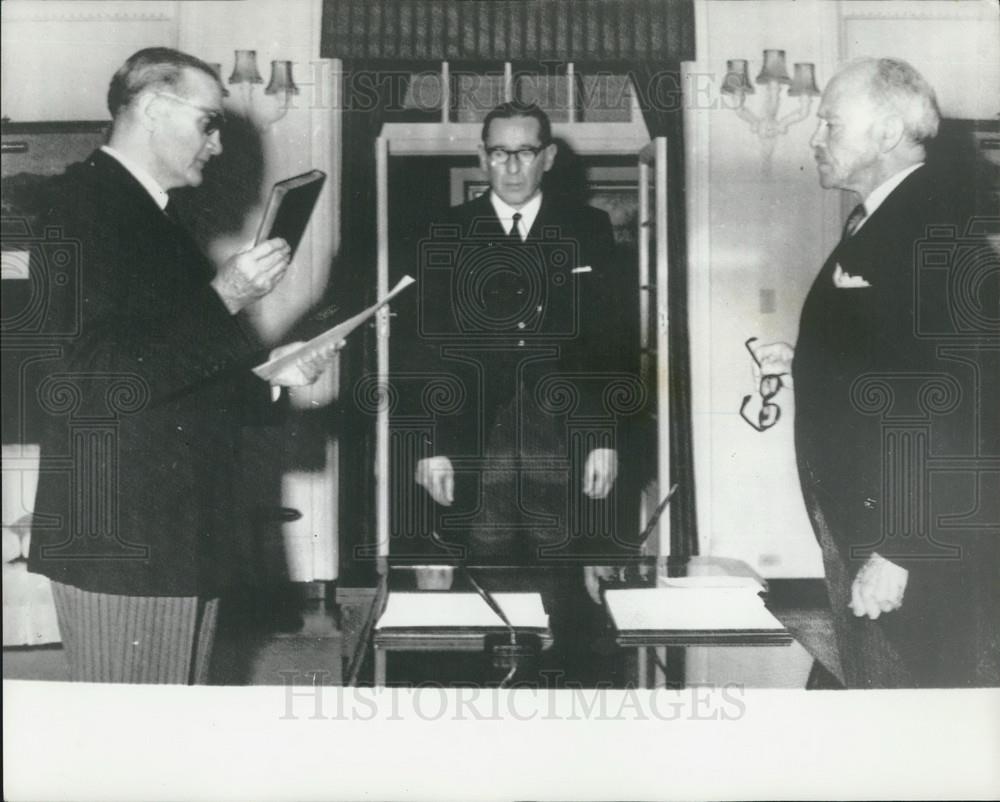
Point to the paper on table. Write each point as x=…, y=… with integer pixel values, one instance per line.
x=272, y=367
x=709, y=609
x=689, y=582
x=426, y=610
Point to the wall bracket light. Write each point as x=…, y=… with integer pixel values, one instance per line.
x=281, y=87
x=768, y=124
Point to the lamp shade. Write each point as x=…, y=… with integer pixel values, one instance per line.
x=245, y=68
x=804, y=81
x=774, y=68
x=281, y=79
x=737, y=80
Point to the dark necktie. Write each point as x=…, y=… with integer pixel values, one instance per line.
x=853, y=221
x=515, y=235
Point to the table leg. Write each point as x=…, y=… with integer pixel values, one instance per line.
x=675, y=662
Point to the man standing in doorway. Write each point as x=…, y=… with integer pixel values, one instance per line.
x=520, y=303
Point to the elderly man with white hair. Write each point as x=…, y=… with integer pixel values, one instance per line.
x=895, y=375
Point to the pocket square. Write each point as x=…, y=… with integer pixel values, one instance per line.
x=843, y=280
x=583, y=269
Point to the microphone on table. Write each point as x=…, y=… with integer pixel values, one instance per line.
x=607, y=643
x=654, y=519
x=507, y=650
x=647, y=530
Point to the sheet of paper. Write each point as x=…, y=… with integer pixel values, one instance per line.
x=745, y=582
x=432, y=609
x=272, y=367
x=689, y=609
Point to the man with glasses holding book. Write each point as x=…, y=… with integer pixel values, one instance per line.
x=136, y=522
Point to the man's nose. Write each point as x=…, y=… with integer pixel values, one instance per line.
x=817, y=138
x=215, y=143
x=513, y=163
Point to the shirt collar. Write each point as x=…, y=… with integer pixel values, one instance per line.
x=506, y=212
x=142, y=176
x=883, y=190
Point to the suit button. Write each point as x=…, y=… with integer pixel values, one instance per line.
x=520, y=325
x=871, y=503
x=520, y=343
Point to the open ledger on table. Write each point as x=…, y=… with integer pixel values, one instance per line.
x=272, y=367
x=696, y=607
x=436, y=610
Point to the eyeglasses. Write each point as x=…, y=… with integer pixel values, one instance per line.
x=525, y=156
x=212, y=121
x=770, y=384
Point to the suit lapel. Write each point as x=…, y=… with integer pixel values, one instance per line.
x=483, y=221
x=547, y=215
x=861, y=254
x=139, y=212
x=127, y=189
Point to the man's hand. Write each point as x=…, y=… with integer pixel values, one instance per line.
x=252, y=274
x=437, y=477
x=878, y=588
x=600, y=472
x=305, y=370
x=775, y=360
x=592, y=577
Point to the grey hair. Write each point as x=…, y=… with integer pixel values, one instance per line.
x=153, y=67
x=895, y=85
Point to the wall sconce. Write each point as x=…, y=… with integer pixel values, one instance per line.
x=773, y=75
x=245, y=68
x=281, y=87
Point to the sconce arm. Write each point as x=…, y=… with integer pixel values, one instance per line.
x=262, y=112
x=802, y=112
x=746, y=115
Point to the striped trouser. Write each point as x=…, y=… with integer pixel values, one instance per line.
x=868, y=659
x=135, y=639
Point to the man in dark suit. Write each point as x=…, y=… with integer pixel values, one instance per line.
x=519, y=303
x=136, y=523
x=895, y=379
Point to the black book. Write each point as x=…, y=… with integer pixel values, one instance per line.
x=289, y=207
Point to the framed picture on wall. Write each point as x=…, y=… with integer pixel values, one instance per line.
x=616, y=191
x=33, y=152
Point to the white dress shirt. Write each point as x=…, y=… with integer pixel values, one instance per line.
x=142, y=176
x=882, y=191
x=843, y=280
x=505, y=212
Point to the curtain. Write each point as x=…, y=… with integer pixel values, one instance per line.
x=509, y=30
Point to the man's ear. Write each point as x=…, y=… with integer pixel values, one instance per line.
x=147, y=111
x=549, y=154
x=484, y=162
x=891, y=132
